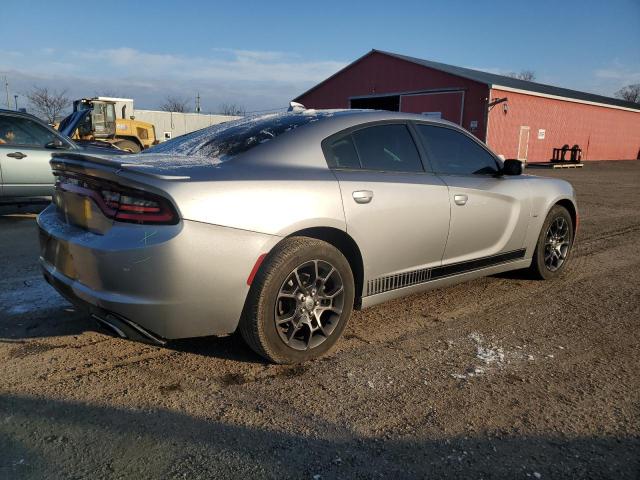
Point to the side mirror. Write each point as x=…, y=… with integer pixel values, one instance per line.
x=512, y=167
x=55, y=144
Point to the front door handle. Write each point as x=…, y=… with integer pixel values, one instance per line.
x=18, y=155
x=362, y=196
x=460, y=199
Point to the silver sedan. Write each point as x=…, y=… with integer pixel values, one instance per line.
x=280, y=225
x=26, y=146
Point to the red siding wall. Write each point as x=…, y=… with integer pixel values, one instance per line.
x=377, y=73
x=602, y=133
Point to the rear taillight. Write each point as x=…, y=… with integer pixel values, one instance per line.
x=120, y=203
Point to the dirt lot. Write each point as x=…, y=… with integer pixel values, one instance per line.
x=501, y=377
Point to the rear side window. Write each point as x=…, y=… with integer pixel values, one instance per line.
x=23, y=131
x=452, y=152
x=387, y=148
x=342, y=154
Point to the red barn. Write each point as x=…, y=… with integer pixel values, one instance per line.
x=516, y=118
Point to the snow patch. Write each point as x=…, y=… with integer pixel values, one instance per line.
x=469, y=373
x=485, y=353
x=490, y=355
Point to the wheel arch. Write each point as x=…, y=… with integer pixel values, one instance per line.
x=347, y=246
x=131, y=139
x=573, y=211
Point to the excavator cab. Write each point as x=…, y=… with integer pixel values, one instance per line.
x=101, y=123
x=95, y=119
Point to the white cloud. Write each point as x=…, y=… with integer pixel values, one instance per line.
x=615, y=75
x=264, y=55
x=621, y=76
x=256, y=79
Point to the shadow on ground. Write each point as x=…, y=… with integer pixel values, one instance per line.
x=28, y=332
x=26, y=208
x=76, y=440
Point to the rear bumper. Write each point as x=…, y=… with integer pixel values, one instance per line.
x=174, y=281
x=121, y=326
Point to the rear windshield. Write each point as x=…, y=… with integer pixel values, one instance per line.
x=224, y=141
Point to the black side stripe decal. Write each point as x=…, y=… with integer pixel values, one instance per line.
x=424, y=275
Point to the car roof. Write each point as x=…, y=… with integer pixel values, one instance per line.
x=17, y=113
x=334, y=121
x=316, y=122
x=357, y=116
x=340, y=119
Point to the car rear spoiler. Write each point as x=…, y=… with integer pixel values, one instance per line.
x=118, y=163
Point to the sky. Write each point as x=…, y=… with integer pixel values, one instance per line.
x=262, y=54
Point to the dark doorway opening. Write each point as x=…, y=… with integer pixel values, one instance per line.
x=391, y=103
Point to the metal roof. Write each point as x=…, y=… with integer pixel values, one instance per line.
x=492, y=79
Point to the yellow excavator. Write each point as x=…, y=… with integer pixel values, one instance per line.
x=94, y=119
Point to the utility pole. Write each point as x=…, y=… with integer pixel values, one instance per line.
x=6, y=87
x=198, y=102
x=15, y=97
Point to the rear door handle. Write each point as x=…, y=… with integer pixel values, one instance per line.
x=362, y=196
x=460, y=199
x=18, y=155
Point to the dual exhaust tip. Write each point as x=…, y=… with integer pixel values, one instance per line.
x=124, y=328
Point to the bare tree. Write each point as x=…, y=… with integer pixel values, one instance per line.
x=175, y=104
x=528, y=75
x=630, y=93
x=232, y=109
x=50, y=104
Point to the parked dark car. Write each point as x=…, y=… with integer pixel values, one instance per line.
x=26, y=145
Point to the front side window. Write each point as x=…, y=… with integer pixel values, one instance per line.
x=387, y=148
x=452, y=152
x=23, y=132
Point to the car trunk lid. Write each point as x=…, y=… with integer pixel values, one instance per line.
x=92, y=193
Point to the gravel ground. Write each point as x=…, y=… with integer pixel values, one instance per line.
x=502, y=377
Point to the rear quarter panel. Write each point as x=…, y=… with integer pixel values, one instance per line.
x=277, y=201
x=277, y=189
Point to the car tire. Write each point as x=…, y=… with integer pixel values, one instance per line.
x=300, y=301
x=555, y=242
x=128, y=146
